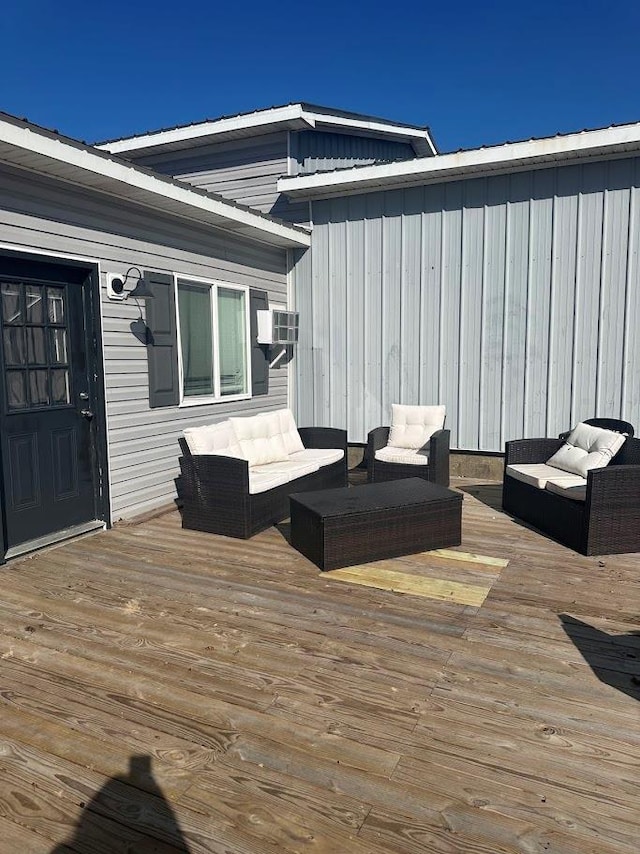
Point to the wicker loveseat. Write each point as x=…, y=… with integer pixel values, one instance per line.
x=236, y=475
x=598, y=517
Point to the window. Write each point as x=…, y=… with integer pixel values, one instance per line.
x=34, y=345
x=214, y=341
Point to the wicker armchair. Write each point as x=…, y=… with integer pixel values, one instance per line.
x=606, y=522
x=437, y=469
x=215, y=488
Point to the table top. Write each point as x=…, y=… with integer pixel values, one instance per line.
x=374, y=496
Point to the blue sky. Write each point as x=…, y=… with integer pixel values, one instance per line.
x=476, y=73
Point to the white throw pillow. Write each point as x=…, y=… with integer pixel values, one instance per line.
x=260, y=438
x=213, y=439
x=413, y=426
x=290, y=435
x=587, y=447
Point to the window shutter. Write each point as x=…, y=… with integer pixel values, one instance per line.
x=258, y=300
x=162, y=341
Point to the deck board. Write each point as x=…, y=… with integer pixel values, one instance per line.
x=281, y=709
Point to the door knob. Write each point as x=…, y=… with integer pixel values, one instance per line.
x=86, y=413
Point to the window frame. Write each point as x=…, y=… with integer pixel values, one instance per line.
x=213, y=285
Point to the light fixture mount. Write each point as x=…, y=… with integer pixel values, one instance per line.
x=116, y=286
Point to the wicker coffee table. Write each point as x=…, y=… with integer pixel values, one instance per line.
x=347, y=526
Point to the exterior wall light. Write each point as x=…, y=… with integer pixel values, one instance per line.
x=116, y=286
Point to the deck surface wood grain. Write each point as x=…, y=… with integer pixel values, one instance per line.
x=174, y=691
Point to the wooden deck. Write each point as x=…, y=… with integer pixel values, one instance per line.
x=164, y=690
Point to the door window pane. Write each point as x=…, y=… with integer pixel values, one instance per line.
x=232, y=341
x=55, y=304
x=16, y=389
x=34, y=296
x=38, y=391
x=35, y=346
x=197, y=340
x=58, y=346
x=14, y=349
x=60, y=386
x=11, y=304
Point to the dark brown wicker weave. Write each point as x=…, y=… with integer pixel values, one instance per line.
x=342, y=527
x=437, y=471
x=215, y=489
x=608, y=522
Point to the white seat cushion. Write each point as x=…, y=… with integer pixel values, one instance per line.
x=260, y=438
x=536, y=474
x=587, y=447
x=213, y=439
x=413, y=426
x=574, y=487
x=289, y=431
x=405, y=456
x=289, y=467
x=262, y=481
x=321, y=456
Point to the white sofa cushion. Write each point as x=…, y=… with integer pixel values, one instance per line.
x=413, y=426
x=213, y=439
x=405, y=456
x=260, y=481
x=587, y=447
x=536, y=474
x=290, y=435
x=321, y=456
x=260, y=438
x=570, y=487
x=289, y=467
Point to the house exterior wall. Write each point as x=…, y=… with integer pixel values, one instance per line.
x=319, y=151
x=245, y=170
x=38, y=215
x=514, y=300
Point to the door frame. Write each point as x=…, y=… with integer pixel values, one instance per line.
x=96, y=377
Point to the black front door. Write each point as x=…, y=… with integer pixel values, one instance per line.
x=48, y=407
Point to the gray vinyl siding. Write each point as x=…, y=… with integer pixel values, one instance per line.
x=319, y=151
x=245, y=170
x=37, y=215
x=514, y=300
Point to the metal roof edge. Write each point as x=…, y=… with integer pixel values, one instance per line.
x=472, y=162
x=25, y=135
x=301, y=114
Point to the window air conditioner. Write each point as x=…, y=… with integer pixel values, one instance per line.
x=277, y=327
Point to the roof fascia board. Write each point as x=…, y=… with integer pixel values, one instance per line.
x=126, y=175
x=371, y=126
x=482, y=160
x=294, y=116
x=265, y=118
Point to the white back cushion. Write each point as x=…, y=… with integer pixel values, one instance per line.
x=260, y=438
x=413, y=426
x=586, y=448
x=213, y=439
x=290, y=435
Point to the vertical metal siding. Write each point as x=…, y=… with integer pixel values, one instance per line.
x=514, y=300
x=319, y=151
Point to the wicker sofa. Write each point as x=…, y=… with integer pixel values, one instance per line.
x=237, y=475
x=599, y=517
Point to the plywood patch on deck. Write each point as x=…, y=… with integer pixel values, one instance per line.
x=426, y=575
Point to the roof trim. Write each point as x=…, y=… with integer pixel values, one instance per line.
x=292, y=116
x=66, y=159
x=530, y=154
